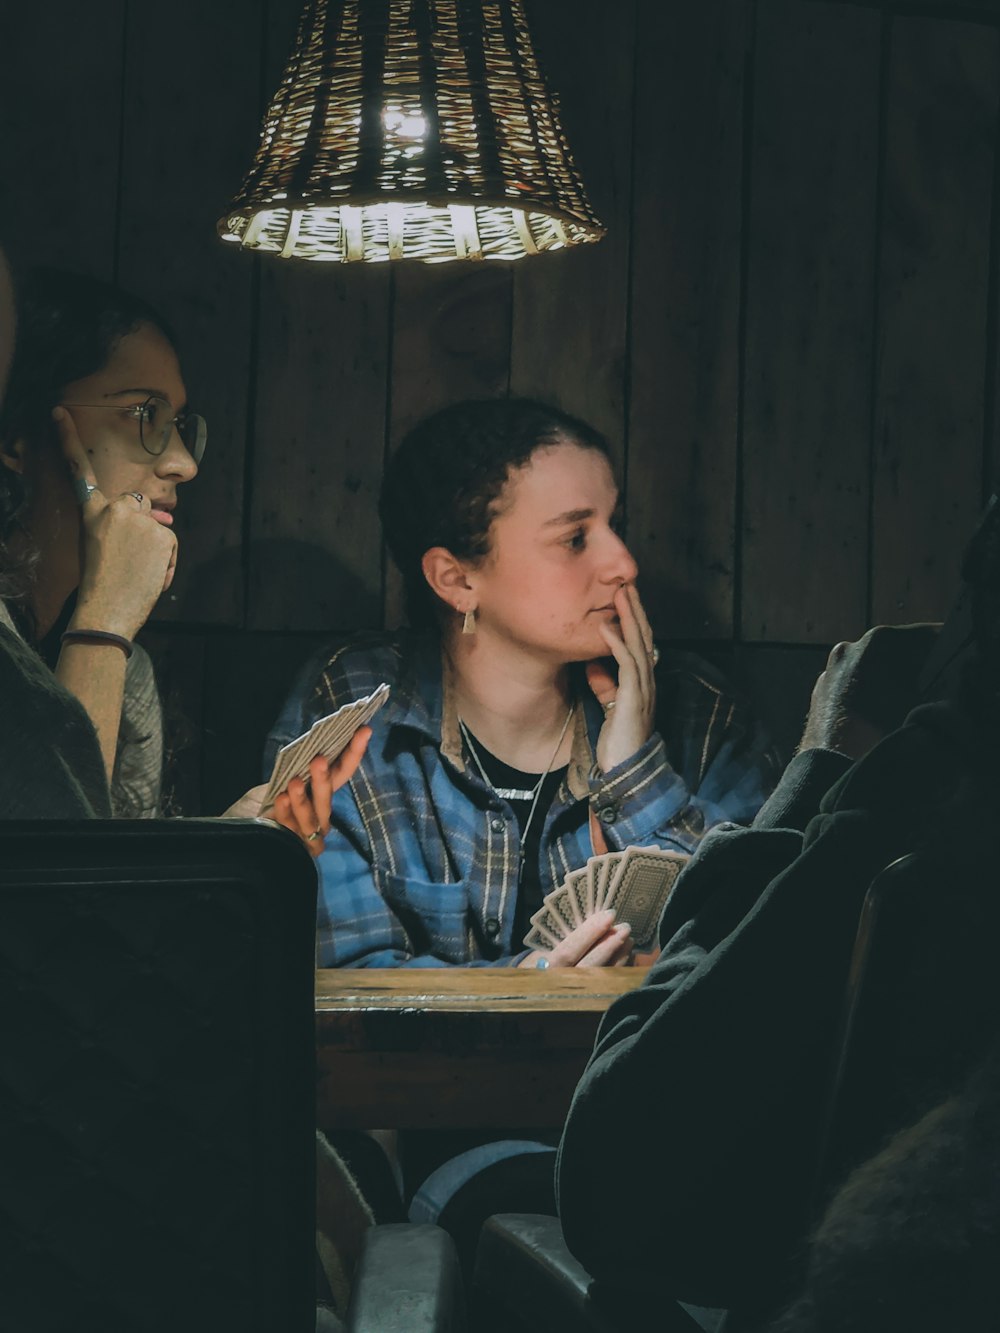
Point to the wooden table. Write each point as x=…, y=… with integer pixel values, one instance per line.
x=457, y=1047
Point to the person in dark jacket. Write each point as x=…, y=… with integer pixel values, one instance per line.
x=690, y=1149
x=94, y=442
x=51, y=760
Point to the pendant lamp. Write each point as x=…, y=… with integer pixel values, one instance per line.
x=411, y=129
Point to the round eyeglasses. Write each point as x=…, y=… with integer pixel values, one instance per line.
x=157, y=422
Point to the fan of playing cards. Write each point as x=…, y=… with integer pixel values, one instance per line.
x=329, y=737
x=634, y=883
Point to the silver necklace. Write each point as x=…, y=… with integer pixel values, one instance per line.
x=517, y=793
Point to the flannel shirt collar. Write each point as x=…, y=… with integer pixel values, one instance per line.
x=424, y=701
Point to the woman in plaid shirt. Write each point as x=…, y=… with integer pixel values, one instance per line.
x=523, y=710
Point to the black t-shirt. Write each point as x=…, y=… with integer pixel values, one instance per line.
x=501, y=775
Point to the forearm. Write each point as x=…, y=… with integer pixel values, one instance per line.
x=95, y=673
x=646, y=801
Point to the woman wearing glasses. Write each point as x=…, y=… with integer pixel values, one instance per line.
x=92, y=463
x=95, y=443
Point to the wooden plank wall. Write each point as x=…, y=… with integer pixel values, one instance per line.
x=789, y=333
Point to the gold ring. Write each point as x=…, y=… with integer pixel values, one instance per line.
x=311, y=837
x=654, y=655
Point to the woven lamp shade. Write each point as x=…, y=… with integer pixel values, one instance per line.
x=411, y=129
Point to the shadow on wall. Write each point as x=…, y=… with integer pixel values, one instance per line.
x=779, y=682
x=776, y=679
x=291, y=586
x=677, y=611
x=224, y=686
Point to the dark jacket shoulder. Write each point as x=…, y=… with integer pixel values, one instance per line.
x=52, y=759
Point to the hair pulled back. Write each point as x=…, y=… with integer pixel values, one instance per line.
x=68, y=326
x=444, y=485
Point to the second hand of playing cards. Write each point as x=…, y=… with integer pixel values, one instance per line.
x=328, y=737
x=634, y=884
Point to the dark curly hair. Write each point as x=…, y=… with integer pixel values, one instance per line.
x=68, y=326
x=444, y=484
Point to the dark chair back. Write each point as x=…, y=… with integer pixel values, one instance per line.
x=919, y=1007
x=157, y=1079
x=864, y=1026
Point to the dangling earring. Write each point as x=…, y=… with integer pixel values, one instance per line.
x=469, y=623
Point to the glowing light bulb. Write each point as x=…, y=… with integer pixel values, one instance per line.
x=404, y=125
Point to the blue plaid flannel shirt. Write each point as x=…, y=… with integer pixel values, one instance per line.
x=420, y=868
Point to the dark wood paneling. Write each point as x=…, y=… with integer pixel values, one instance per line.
x=60, y=132
x=780, y=679
x=940, y=141
x=181, y=161
x=685, y=311
x=450, y=340
x=647, y=325
x=319, y=440
x=247, y=677
x=810, y=285
x=314, y=554
x=570, y=320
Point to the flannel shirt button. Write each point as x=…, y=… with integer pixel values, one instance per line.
x=608, y=814
x=492, y=927
x=497, y=825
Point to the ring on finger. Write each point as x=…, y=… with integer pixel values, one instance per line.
x=311, y=837
x=135, y=495
x=654, y=654
x=608, y=707
x=82, y=490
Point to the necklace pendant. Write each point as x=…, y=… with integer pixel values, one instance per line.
x=515, y=793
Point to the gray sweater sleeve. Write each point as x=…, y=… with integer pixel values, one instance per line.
x=138, y=772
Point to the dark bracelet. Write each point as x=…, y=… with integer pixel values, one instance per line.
x=98, y=636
